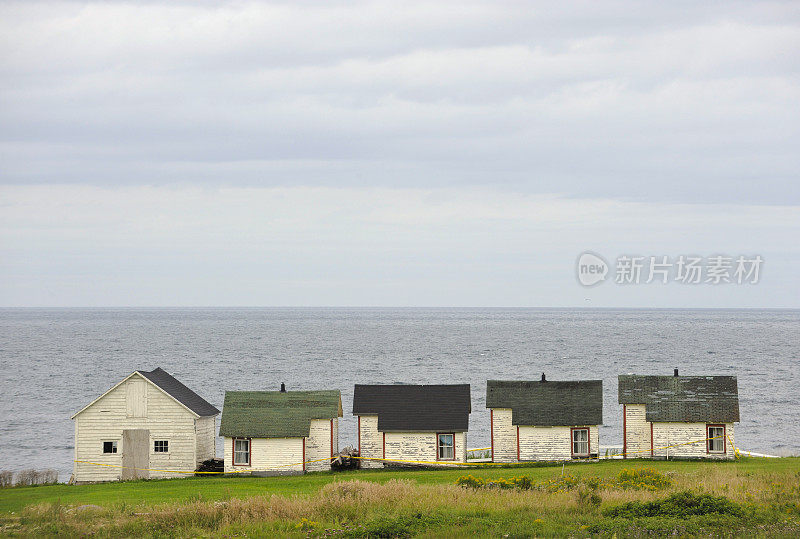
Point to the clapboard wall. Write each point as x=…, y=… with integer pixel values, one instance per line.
x=410, y=446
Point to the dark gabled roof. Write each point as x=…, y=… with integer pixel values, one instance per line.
x=695, y=399
x=550, y=403
x=276, y=414
x=415, y=408
x=180, y=392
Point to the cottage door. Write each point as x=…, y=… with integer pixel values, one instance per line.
x=135, y=454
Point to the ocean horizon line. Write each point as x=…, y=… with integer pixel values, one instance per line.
x=384, y=307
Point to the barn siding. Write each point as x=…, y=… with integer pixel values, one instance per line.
x=371, y=441
x=421, y=446
x=268, y=454
x=402, y=445
x=638, y=436
x=336, y=435
x=105, y=420
x=637, y=431
x=551, y=443
x=205, y=430
x=665, y=434
x=504, y=436
x=461, y=446
x=318, y=444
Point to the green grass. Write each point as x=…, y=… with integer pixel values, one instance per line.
x=221, y=488
x=410, y=502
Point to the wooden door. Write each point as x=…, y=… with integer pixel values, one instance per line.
x=135, y=454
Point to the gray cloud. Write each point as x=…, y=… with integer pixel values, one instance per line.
x=660, y=101
x=442, y=153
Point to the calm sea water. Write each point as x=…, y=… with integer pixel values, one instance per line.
x=56, y=361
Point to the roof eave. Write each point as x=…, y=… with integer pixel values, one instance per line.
x=149, y=381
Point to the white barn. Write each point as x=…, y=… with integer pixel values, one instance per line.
x=544, y=420
x=280, y=432
x=425, y=423
x=147, y=421
x=678, y=416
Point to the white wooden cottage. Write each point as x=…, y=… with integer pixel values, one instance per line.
x=426, y=423
x=147, y=421
x=544, y=420
x=278, y=432
x=678, y=416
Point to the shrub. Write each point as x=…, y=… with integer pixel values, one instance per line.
x=523, y=482
x=400, y=525
x=306, y=525
x=593, y=483
x=588, y=497
x=561, y=484
x=6, y=478
x=681, y=504
x=501, y=483
x=48, y=477
x=470, y=481
x=642, y=479
x=27, y=478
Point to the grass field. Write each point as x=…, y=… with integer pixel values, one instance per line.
x=747, y=497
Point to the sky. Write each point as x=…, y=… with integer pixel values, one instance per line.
x=382, y=154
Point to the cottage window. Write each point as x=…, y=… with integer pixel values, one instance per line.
x=580, y=442
x=161, y=446
x=447, y=447
x=241, y=452
x=109, y=447
x=716, y=439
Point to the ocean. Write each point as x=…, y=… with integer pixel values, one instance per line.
x=55, y=361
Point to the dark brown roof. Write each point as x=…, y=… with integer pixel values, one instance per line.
x=695, y=399
x=180, y=392
x=415, y=408
x=550, y=403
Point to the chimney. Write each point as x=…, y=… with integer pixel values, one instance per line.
x=283, y=386
x=676, y=372
x=543, y=378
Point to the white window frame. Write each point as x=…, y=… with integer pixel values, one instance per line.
x=248, y=451
x=441, y=448
x=574, y=442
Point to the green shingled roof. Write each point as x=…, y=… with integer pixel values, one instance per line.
x=273, y=414
x=550, y=403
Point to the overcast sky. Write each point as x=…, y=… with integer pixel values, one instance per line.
x=443, y=154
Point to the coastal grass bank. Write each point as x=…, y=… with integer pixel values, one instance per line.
x=745, y=497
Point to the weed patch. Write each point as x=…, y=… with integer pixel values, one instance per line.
x=627, y=479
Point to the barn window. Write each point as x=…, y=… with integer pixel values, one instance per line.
x=580, y=442
x=716, y=439
x=109, y=447
x=241, y=451
x=447, y=447
x=161, y=446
